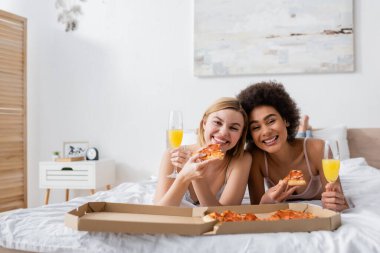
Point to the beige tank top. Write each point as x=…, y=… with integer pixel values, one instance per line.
x=314, y=186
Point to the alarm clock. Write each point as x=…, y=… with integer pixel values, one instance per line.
x=92, y=154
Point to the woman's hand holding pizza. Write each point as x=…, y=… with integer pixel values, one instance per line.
x=194, y=168
x=192, y=165
x=333, y=198
x=278, y=193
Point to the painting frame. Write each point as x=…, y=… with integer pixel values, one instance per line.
x=256, y=37
x=75, y=149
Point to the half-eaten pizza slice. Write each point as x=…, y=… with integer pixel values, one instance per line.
x=211, y=151
x=295, y=178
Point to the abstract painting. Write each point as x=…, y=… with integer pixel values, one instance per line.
x=245, y=37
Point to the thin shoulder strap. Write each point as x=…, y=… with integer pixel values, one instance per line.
x=306, y=157
x=266, y=164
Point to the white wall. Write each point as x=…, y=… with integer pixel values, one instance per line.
x=113, y=81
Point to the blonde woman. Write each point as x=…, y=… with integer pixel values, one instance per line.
x=211, y=182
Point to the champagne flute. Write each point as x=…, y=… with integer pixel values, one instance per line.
x=331, y=162
x=175, y=134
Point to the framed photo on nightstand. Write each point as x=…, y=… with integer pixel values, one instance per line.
x=74, y=149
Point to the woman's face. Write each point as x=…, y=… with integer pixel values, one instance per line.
x=268, y=129
x=223, y=127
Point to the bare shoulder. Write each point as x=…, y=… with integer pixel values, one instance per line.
x=315, y=150
x=315, y=145
x=257, y=153
x=247, y=157
x=244, y=159
x=257, y=157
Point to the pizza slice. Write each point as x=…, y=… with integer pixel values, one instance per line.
x=231, y=216
x=283, y=214
x=295, y=178
x=211, y=151
x=288, y=214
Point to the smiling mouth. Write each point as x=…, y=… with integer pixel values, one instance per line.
x=271, y=141
x=219, y=141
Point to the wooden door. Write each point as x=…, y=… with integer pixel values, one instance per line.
x=13, y=169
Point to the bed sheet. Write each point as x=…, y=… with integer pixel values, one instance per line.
x=42, y=229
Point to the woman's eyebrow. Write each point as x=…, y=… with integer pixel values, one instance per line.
x=233, y=124
x=236, y=124
x=269, y=115
x=265, y=118
x=216, y=117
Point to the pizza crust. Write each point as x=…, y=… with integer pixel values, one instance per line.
x=297, y=182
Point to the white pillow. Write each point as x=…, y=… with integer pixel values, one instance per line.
x=338, y=133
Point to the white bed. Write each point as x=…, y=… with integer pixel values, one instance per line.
x=42, y=229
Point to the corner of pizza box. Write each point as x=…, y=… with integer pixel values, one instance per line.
x=331, y=219
x=71, y=218
x=321, y=212
x=96, y=206
x=71, y=221
x=336, y=221
x=80, y=210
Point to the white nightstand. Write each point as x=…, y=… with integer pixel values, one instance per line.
x=76, y=175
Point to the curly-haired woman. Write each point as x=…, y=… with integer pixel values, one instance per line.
x=273, y=123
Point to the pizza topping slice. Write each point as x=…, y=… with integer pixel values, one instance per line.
x=231, y=216
x=295, y=177
x=288, y=214
x=211, y=151
x=284, y=214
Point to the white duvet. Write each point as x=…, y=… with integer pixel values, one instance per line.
x=42, y=230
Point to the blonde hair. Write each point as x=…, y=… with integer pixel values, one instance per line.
x=223, y=104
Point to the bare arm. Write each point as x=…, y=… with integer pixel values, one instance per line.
x=169, y=191
x=256, y=181
x=233, y=192
x=237, y=182
x=204, y=193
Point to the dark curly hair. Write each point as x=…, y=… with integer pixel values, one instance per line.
x=271, y=94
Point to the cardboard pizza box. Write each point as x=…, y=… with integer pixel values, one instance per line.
x=326, y=219
x=150, y=219
x=140, y=219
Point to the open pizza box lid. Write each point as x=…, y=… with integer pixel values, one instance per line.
x=150, y=219
x=141, y=219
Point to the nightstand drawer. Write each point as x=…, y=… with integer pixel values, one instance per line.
x=79, y=175
x=67, y=176
x=89, y=175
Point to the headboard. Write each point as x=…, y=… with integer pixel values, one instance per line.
x=365, y=142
